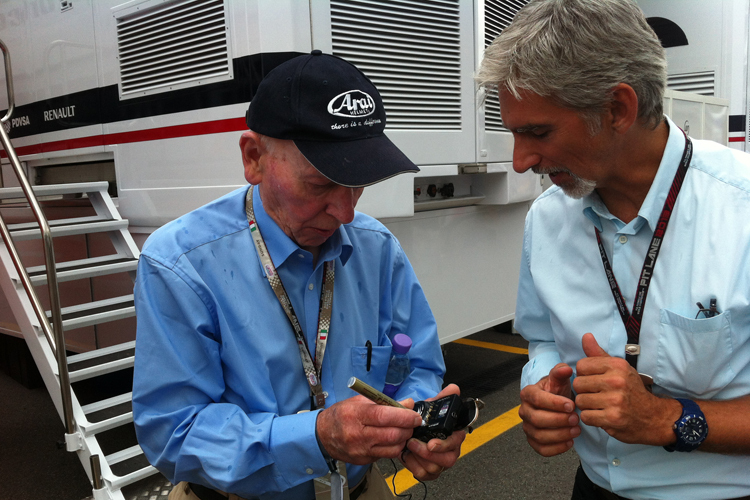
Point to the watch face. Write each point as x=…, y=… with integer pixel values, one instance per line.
x=693, y=429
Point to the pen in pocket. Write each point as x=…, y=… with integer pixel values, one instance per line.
x=368, y=344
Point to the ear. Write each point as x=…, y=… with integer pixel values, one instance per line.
x=251, y=152
x=623, y=108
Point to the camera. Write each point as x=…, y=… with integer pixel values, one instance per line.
x=440, y=418
x=444, y=416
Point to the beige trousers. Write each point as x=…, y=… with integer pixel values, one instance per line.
x=377, y=488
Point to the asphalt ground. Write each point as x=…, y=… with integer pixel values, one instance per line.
x=500, y=464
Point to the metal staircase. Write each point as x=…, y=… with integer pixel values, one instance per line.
x=44, y=330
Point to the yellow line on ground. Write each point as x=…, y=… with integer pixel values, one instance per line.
x=490, y=345
x=480, y=436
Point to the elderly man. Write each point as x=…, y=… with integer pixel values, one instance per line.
x=644, y=364
x=244, y=345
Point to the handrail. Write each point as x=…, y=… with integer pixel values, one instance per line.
x=56, y=337
x=8, y=82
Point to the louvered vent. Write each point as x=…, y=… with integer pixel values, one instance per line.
x=178, y=44
x=701, y=82
x=410, y=51
x=498, y=14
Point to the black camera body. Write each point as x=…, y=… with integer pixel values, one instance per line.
x=444, y=416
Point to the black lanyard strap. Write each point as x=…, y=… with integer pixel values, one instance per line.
x=633, y=321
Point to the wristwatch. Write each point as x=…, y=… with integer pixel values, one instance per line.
x=691, y=428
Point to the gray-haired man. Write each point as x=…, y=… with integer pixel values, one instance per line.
x=659, y=405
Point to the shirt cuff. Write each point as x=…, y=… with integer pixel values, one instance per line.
x=539, y=367
x=295, y=449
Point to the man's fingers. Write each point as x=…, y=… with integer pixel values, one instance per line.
x=550, y=450
x=422, y=469
x=427, y=460
x=388, y=416
x=591, y=347
x=452, y=443
x=548, y=419
x=543, y=400
x=559, y=380
x=447, y=391
x=551, y=436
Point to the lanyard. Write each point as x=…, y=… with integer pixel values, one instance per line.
x=633, y=321
x=313, y=369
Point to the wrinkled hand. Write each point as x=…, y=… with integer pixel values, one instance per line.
x=611, y=395
x=548, y=413
x=426, y=461
x=360, y=432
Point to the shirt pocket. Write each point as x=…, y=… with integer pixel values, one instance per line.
x=694, y=354
x=381, y=356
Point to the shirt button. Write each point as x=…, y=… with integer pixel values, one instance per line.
x=301, y=255
x=310, y=286
x=309, y=470
x=616, y=462
x=623, y=239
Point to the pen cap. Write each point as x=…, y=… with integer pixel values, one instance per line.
x=401, y=343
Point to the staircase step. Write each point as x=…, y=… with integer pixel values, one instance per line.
x=67, y=227
x=55, y=189
x=85, y=268
x=107, y=414
x=128, y=466
x=107, y=360
x=97, y=312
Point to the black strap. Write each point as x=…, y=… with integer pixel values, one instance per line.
x=205, y=493
x=632, y=320
x=355, y=492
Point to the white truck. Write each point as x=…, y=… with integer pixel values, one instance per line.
x=707, y=45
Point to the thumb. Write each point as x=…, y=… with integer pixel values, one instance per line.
x=591, y=347
x=559, y=379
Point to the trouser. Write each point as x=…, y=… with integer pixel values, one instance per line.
x=585, y=489
x=371, y=487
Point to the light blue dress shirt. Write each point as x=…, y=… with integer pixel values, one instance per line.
x=218, y=375
x=563, y=294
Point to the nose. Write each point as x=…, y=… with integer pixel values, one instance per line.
x=342, y=203
x=524, y=156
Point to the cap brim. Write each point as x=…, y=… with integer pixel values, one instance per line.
x=357, y=163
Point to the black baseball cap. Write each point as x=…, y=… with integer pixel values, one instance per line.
x=335, y=116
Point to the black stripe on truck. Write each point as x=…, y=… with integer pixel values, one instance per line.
x=103, y=104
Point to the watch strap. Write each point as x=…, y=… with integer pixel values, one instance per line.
x=689, y=409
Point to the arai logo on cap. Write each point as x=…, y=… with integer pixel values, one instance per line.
x=353, y=103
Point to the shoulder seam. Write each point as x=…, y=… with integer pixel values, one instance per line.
x=171, y=266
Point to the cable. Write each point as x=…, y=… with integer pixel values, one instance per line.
x=405, y=496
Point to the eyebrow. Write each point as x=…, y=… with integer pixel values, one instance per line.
x=527, y=128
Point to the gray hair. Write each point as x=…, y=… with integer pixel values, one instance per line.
x=576, y=52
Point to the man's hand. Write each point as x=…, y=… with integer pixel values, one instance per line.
x=426, y=461
x=548, y=413
x=360, y=432
x=611, y=395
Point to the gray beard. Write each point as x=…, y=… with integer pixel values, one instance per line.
x=578, y=189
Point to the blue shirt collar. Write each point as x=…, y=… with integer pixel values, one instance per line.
x=281, y=247
x=594, y=209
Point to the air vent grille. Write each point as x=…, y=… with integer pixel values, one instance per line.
x=498, y=14
x=701, y=82
x=177, y=44
x=411, y=52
